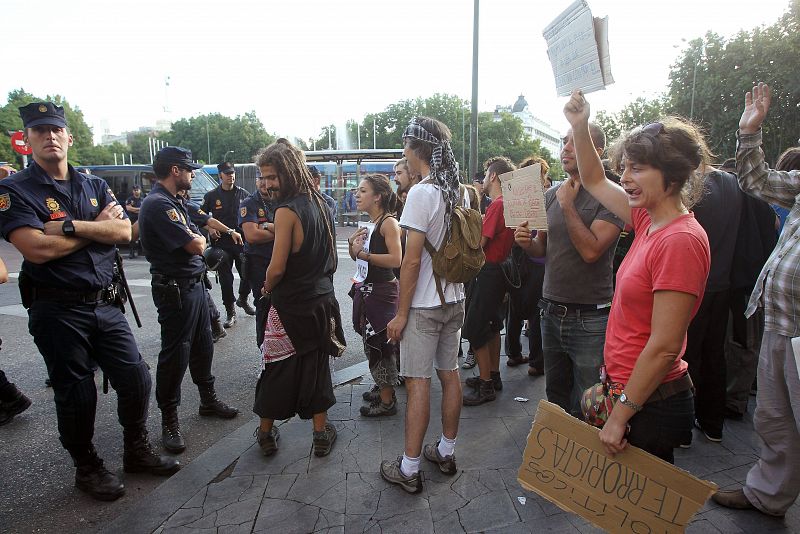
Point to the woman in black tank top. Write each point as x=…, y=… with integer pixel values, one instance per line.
x=376, y=293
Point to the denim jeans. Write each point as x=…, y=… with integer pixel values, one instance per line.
x=663, y=425
x=573, y=353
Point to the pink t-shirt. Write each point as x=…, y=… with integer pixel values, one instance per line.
x=676, y=257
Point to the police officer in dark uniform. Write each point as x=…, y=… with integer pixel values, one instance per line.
x=223, y=204
x=132, y=206
x=66, y=224
x=256, y=219
x=174, y=247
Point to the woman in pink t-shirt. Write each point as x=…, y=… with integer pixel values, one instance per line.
x=659, y=284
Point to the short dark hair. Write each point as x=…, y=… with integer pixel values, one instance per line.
x=162, y=169
x=498, y=165
x=424, y=150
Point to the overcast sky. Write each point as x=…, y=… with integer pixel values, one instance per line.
x=303, y=64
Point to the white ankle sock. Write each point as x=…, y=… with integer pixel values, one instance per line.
x=447, y=446
x=409, y=466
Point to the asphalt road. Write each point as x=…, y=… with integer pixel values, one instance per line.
x=37, y=491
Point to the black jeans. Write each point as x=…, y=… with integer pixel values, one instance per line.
x=663, y=425
x=225, y=272
x=523, y=305
x=74, y=340
x=185, y=342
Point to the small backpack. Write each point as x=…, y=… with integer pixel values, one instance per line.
x=461, y=256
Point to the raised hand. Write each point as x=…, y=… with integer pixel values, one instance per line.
x=756, y=105
x=522, y=235
x=576, y=110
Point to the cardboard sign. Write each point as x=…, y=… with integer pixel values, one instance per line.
x=362, y=267
x=523, y=197
x=634, y=491
x=577, y=46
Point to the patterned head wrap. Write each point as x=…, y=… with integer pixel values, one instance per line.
x=444, y=168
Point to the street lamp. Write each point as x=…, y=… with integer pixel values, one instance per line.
x=225, y=157
x=208, y=141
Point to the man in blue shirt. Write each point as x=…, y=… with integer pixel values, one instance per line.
x=66, y=225
x=174, y=247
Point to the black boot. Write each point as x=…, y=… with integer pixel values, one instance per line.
x=92, y=477
x=483, y=393
x=14, y=402
x=217, y=331
x=243, y=304
x=230, y=311
x=211, y=405
x=139, y=456
x=171, y=431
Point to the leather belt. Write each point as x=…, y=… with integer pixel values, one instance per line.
x=65, y=296
x=673, y=387
x=562, y=310
x=180, y=281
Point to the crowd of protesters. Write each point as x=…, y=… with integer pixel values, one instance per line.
x=662, y=292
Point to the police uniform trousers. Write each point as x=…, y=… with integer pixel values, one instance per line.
x=225, y=272
x=185, y=341
x=256, y=274
x=76, y=338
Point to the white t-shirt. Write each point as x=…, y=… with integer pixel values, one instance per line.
x=424, y=212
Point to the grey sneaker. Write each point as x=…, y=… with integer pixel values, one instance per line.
x=391, y=473
x=373, y=394
x=475, y=381
x=447, y=464
x=378, y=408
x=324, y=440
x=469, y=361
x=268, y=441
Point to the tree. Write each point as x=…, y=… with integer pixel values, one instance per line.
x=637, y=113
x=240, y=138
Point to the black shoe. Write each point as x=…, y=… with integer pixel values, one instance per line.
x=730, y=413
x=230, y=319
x=324, y=440
x=243, y=304
x=513, y=361
x=210, y=405
x=483, y=393
x=268, y=441
x=716, y=437
x=139, y=457
x=217, y=330
x=171, y=435
x=93, y=478
x=9, y=409
x=475, y=381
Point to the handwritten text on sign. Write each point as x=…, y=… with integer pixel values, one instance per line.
x=523, y=198
x=631, y=492
x=362, y=267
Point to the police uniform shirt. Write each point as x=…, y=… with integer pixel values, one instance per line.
x=196, y=214
x=257, y=210
x=224, y=205
x=164, y=228
x=32, y=198
x=135, y=203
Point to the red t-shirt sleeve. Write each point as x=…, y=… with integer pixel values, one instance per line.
x=494, y=222
x=680, y=262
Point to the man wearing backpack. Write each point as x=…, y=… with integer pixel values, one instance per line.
x=431, y=310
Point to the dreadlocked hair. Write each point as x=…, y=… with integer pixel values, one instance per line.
x=289, y=163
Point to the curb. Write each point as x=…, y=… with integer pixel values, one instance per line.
x=150, y=512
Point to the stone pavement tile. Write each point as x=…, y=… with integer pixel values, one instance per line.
x=341, y=411
x=498, y=408
x=392, y=436
x=486, y=444
x=357, y=448
x=443, y=497
x=364, y=493
x=244, y=528
x=257, y=488
x=447, y=524
x=519, y=428
x=358, y=523
x=182, y=517
x=344, y=393
x=323, y=490
x=228, y=491
x=489, y=511
x=417, y=521
x=703, y=465
x=294, y=449
x=286, y=517
x=189, y=530
x=239, y=513
x=394, y=501
x=279, y=485
x=583, y=526
x=197, y=500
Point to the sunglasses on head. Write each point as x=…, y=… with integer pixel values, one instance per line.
x=654, y=129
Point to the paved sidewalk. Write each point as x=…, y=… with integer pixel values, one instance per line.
x=233, y=488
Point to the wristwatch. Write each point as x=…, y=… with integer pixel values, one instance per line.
x=230, y=231
x=68, y=228
x=629, y=403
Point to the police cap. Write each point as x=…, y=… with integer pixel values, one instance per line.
x=226, y=168
x=38, y=113
x=175, y=155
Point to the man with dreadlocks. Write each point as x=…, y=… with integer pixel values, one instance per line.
x=303, y=326
x=428, y=329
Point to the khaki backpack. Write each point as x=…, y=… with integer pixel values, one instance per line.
x=461, y=255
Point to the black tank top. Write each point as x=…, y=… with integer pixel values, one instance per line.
x=377, y=245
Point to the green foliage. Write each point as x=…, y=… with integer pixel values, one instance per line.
x=725, y=69
x=244, y=136
x=637, y=113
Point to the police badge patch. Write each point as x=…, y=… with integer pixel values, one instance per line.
x=52, y=204
x=5, y=201
x=243, y=212
x=173, y=215
x=93, y=201
x=260, y=212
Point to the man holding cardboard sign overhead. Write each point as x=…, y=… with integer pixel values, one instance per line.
x=577, y=291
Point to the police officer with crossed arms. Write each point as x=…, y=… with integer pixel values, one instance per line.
x=66, y=225
x=174, y=247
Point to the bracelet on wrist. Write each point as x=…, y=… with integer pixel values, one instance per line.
x=623, y=399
